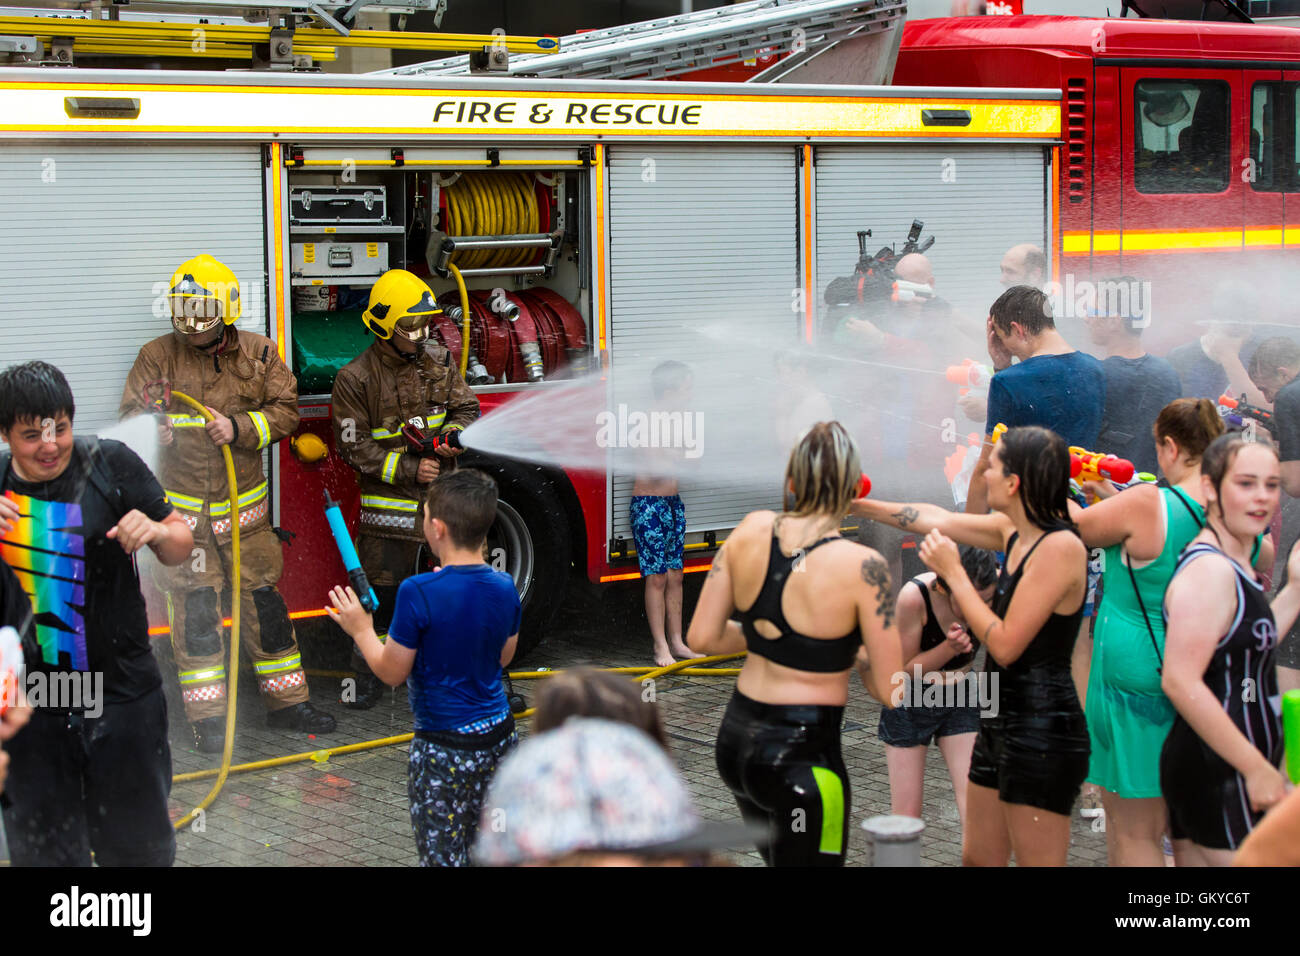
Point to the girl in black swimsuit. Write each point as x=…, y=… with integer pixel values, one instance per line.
x=1031, y=758
x=1219, y=765
x=815, y=606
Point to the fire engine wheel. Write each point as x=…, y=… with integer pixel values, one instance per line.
x=530, y=542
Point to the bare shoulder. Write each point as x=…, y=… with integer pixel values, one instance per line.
x=754, y=524
x=1208, y=570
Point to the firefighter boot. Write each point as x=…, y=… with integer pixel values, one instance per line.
x=302, y=717
x=209, y=734
x=367, y=689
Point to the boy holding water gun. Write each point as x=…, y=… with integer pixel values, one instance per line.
x=452, y=631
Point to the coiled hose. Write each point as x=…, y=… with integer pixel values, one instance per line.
x=492, y=204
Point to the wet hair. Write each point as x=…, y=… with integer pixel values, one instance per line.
x=466, y=501
x=1273, y=354
x=1026, y=305
x=824, y=469
x=1218, y=459
x=980, y=565
x=33, y=391
x=587, y=692
x=1040, y=459
x=668, y=377
x=1191, y=422
x=1118, y=298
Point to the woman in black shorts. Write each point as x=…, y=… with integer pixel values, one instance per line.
x=815, y=605
x=941, y=701
x=1219, y=765
x=1030, y=759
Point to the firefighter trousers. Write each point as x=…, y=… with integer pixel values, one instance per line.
x=194, y=592
x=387, y=563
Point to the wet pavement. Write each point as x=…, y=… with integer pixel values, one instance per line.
x=352, y=809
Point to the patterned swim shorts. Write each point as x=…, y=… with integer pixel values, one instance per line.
x=446, y=786
x=659, y=529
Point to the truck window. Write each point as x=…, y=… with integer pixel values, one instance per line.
x=1261, y=170
x=1181, y=136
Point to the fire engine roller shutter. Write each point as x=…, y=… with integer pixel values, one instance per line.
x=90, y=229
x=977, y=201
x=706, y=232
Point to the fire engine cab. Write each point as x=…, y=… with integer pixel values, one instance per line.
x=1181, y=161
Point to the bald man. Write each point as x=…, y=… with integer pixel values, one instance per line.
x=1024, y=264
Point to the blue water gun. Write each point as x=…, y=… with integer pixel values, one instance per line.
x=360, y=583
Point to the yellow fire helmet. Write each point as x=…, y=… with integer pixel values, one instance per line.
x=308, y=447
x=401, y=302
x=203, y=292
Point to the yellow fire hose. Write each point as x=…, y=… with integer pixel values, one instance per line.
x=233, y=688
x=464, y=318
x=321, y=756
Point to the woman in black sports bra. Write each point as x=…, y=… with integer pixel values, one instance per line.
x=1030, y=759
x=815, y=607
x=1219, y=764
x=940, y=702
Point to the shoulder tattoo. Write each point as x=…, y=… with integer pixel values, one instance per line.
x=906, y=516
x=876, y=573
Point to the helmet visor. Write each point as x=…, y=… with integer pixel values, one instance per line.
x=413, y=328
x=194, y=314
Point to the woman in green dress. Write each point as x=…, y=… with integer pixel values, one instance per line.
x=1143, y=529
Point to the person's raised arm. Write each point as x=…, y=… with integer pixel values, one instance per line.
x=1057, y=566
x=880, y=659
x=1133, y=515
x=390, y=661
x=1200, y=604
x=988, y=531
x=712, y=631
x=977, y=492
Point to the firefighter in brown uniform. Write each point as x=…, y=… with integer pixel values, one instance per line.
x=403, y=377
x=241, y=379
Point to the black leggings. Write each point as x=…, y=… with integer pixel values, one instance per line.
x=783, y=765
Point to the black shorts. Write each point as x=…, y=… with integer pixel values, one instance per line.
x=78, y=784
x=1207, y=798
x=1037, y=761
x=917, y=726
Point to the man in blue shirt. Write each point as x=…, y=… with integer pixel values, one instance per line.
x=1053, y=385
x=452, y=632
x=1138, y=384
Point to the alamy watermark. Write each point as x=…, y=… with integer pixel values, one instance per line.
x=1079, y=299
x=61, y=690
x=935, y=689
x=654, y=429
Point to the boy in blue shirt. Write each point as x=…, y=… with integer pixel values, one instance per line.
x=452, y=632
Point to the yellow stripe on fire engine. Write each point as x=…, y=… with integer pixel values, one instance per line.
x=291, y=110
x=1177, y=240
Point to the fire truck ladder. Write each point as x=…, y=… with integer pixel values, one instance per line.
x=695, y=41
x=283, y=39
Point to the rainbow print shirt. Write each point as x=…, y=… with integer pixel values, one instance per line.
x=48, y=555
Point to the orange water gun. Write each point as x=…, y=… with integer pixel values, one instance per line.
x=1093, y=466
x=969, y=374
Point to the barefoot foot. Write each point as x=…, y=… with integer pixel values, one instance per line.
x=662, y=655
x=680, y=649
